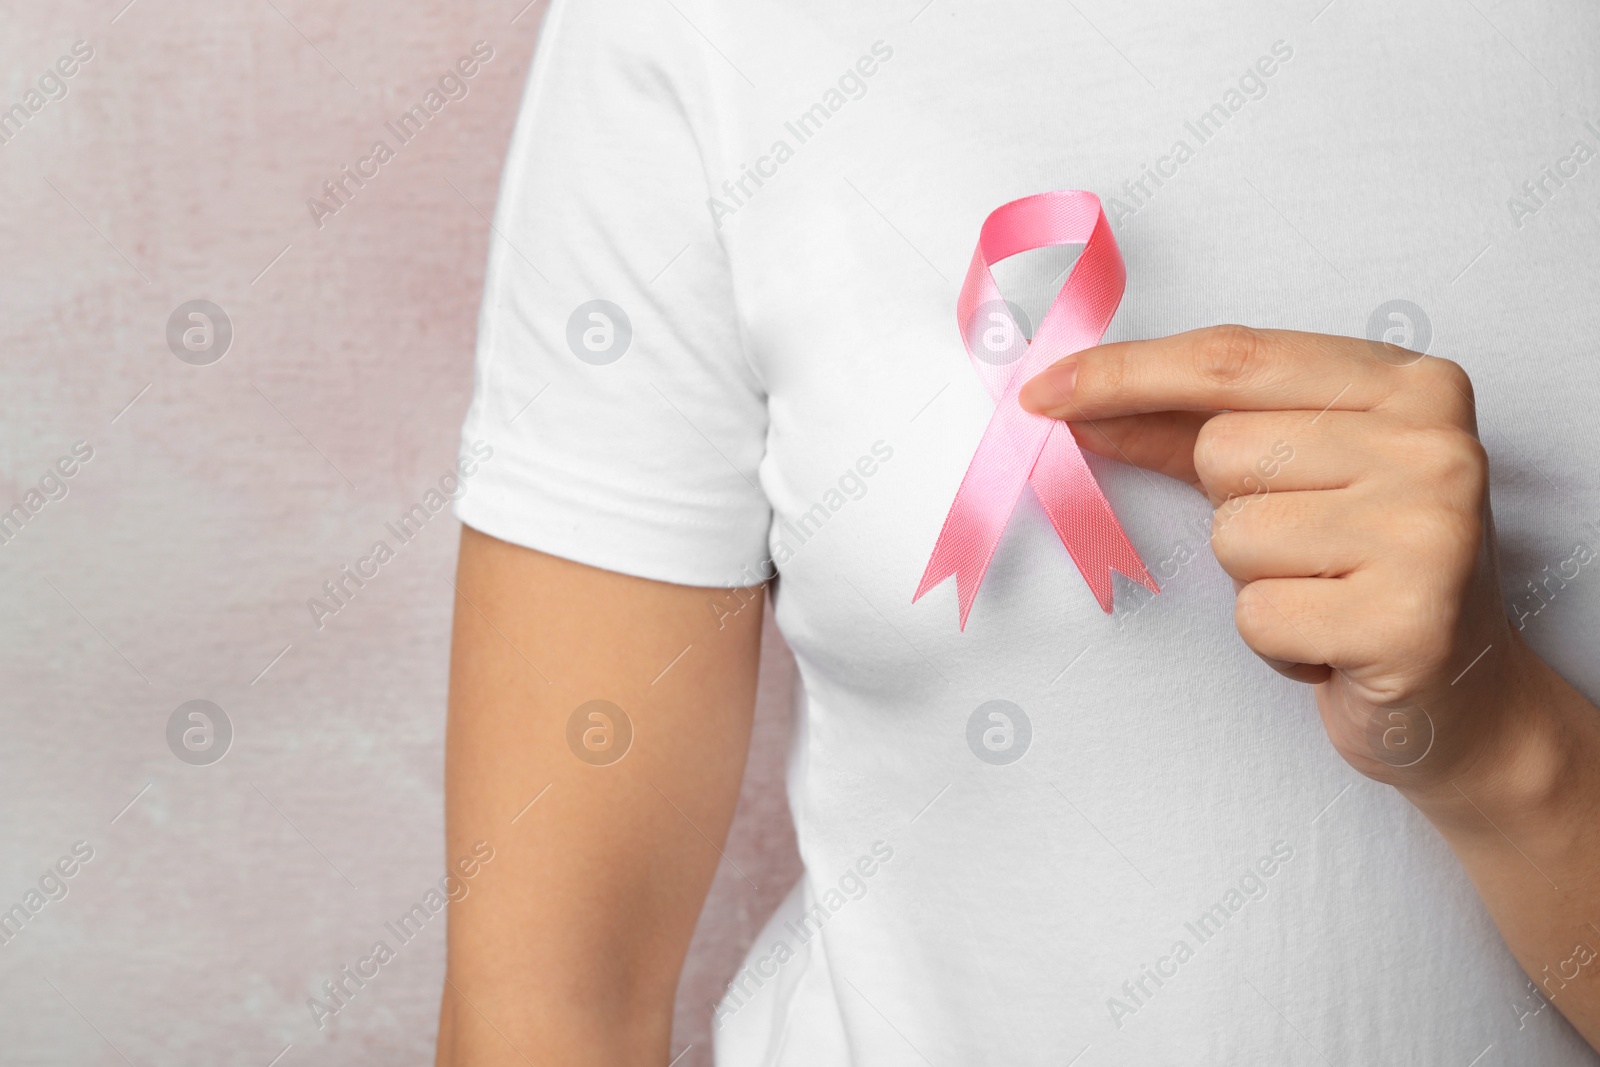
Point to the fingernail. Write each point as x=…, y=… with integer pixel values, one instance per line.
x=1049, y=392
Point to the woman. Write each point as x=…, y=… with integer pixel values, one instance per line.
x=720, y=346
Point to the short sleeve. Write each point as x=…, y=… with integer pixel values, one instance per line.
x=615, y=420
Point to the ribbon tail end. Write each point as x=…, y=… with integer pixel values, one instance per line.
x=1134, y=571
x=932, y=578
x=966, y=584
x=966, y=596
x=1096, y=568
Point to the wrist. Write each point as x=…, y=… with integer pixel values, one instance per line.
x=1523, y=766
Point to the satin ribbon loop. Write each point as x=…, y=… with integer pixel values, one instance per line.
x=1019, y=448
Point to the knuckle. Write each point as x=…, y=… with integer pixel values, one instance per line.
x=1109, y=368
x=1228, y=355
x=1465, y=493
x=1453, y=375
x=1451, y=458
x=1233, y=520
x=1417, y=631
x=1215, y=444
x=1434, y=455
x=1473, y=465
x=1447, y=383
x=1253, y=617
x=1224, y=539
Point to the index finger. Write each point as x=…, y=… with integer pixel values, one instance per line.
x=1218, y=368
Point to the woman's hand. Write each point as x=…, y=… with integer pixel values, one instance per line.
x=1352, y=510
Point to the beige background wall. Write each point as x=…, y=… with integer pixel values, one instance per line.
x=219, y=498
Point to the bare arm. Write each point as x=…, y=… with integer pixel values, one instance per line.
x=1352, y=510
x=568, y=945
x=1524, y=821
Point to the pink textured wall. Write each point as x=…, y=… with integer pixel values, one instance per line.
x=175, y=563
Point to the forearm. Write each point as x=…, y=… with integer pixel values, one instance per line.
x=1524, y=820
x=506, y=1025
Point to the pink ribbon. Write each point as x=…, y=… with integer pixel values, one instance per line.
x=1019, y=448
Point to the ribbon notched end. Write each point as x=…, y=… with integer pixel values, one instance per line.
x=1100, y=584
x=967, y=582
x=1096, y=542
x=1095, y=565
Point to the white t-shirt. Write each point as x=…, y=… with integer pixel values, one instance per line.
x=1149, y=853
